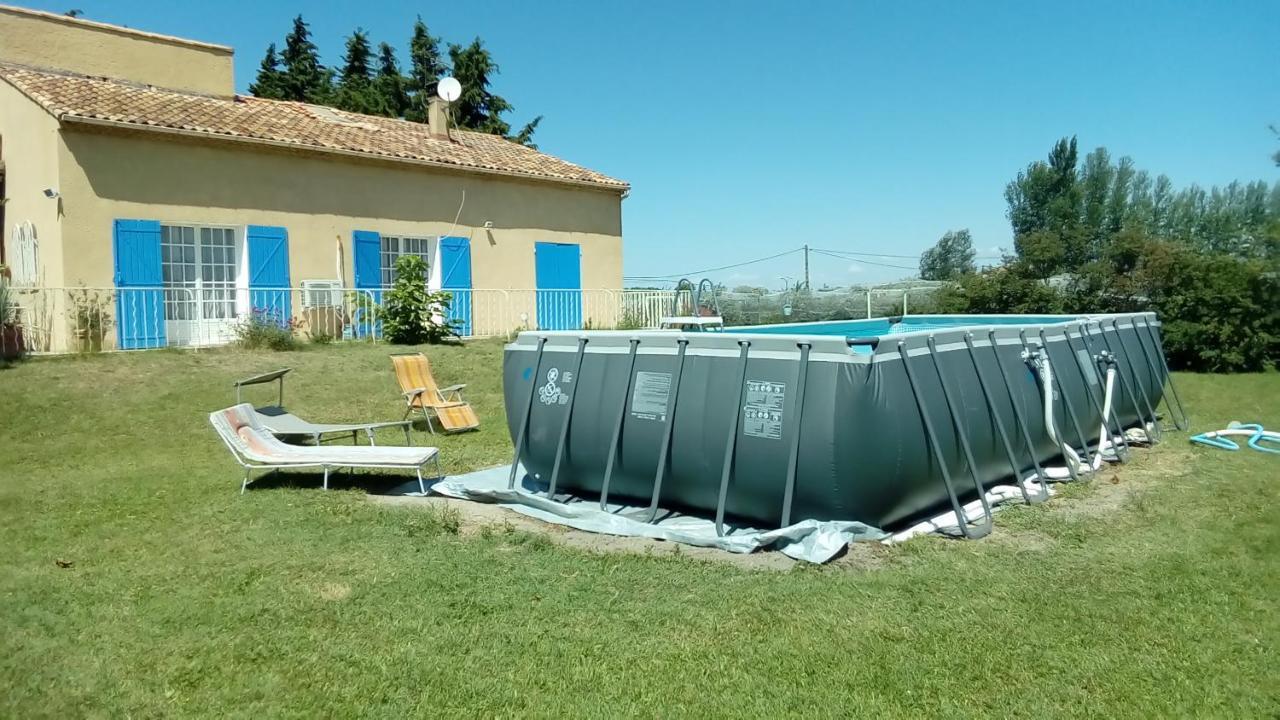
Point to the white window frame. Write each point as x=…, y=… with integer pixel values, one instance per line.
x=387, y=257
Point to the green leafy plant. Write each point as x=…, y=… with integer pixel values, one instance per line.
x=410, y=313
x=263, y=328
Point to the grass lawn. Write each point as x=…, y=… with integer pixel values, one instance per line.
x=1150, y=592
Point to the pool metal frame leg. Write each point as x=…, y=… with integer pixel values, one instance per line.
x=1168, y=377
x=1122, y=381
x=1022, y=423
x=1111, y=420
x=793, y=460
x=726, y=472
x=617, y=426
x=1141, y=388
x=1158, y=345
x=528, y=410
x=932, y=437
x=1029, y=356
x=1099, y=381
x=664, y=454
x=568, y=416
x=999, y=424
x=1066, y=402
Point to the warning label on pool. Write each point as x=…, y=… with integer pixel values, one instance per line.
x=649, y=397
x=762, y=411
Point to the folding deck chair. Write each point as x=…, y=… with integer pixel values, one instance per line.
x=285, y=424
x=256, y=448
x=422, y=394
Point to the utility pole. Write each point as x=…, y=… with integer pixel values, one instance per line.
x=806, y=267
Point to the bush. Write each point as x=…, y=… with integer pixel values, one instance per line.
x=1219, y=312
x=410, y=313
x=264, y=328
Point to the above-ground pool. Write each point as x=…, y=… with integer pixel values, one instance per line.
x=884, y=421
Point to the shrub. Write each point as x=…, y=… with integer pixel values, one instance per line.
x=264, y=328
x=1219, y=312
x=410, y=313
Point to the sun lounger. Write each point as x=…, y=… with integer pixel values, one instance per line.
x=256, y=448
x=422, y=394
x=287, y=425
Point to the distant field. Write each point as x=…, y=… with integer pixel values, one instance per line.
x=1151, y=592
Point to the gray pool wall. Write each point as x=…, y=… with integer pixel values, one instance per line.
x=860, y=446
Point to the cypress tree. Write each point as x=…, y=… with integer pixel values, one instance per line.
x=389, y=86
x=304, y=78
x=270, y=81
x=425, y=70
x=355, y=85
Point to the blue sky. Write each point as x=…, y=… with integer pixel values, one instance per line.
x=752, y=128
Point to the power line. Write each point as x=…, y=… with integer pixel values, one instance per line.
x=695, y=273
x=901, y=257
x=864, y=261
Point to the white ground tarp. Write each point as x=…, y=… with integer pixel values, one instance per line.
x=808, y=540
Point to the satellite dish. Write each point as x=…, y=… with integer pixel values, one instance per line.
x=449, y=89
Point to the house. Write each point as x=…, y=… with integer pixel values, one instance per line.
x=129, y=164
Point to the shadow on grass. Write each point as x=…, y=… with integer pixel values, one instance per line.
x=371, y=482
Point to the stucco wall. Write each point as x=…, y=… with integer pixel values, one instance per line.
x=320, y=200
x=31, y=148
x=46, y=40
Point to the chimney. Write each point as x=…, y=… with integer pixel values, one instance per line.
x=437, y=120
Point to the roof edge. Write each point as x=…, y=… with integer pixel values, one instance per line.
x=117, y=29
x=622, y=189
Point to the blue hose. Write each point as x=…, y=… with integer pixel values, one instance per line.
x=1256, y=433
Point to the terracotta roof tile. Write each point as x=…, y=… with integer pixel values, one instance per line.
x=71, y=97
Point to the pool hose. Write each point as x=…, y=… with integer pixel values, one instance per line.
x=1255, y=432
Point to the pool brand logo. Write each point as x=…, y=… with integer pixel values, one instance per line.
x=551, y=393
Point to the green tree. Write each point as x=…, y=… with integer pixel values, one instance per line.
x=479, y=108
x=304, y=78
x=270, y=81
x=390, y=87
x=951, y=257
x=425, y=70
x=355, y=92
x=1047, y=198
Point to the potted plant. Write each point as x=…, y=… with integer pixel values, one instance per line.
x=91, y=318
x=12, y=344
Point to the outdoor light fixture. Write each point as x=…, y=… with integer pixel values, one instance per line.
x=488, y=224
x=50, y=193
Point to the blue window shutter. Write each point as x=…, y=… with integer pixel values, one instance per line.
x=268, y=249
x=558, y=275
x=366, y=256
x=455, y=277
x=140, y=319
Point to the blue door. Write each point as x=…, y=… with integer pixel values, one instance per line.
x=269, y=272
x=140, y=308
x=455, y=278
x=366, y=259
x=557, y=267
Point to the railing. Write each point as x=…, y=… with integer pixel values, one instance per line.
x=61, y=320
x=85, y=319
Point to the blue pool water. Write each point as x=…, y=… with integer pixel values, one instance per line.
x=880, y=327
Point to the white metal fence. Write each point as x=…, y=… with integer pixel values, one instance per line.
x=61, y=320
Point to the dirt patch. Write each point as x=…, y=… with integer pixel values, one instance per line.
x=1117, y=485
x=333, y=592
x=1114, y=488
x=482, y=518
